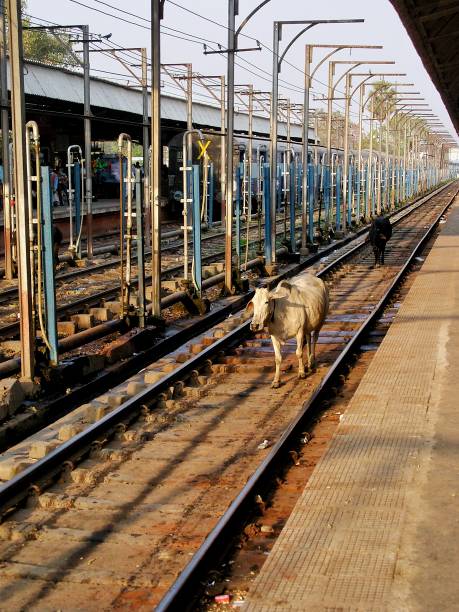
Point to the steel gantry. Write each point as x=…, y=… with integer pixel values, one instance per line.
x=332, y=85
x=307, y=229
x=232, y=49
x=270, y=249
x=87, y=116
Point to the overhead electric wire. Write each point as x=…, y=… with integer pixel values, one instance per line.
x=291, y=87
x=261, y=43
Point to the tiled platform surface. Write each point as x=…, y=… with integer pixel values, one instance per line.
x=377, y=526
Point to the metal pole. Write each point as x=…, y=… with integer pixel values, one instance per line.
x=250, y=158
x=187, y=169
x=140, y=247
x=304, y=206
x=405, y=147
x=388, y=184
x=359, y=151
x=369, y=206
x=146, y=147
x=329, y=193
x=22, y=205
x=271, y=250
x=7, y=217
x=347, y=102
x=48, y=265
x=379, y=183
x=229, y=148
x=87, y=139
x=156, y=10
x=222, y=149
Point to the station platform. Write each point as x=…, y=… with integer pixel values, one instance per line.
x=377, y=525
x=99, y=207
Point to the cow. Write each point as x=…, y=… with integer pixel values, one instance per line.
x=296, y=309
x=380, y=234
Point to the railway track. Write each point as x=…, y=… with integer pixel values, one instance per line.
x=105, y=278
x=110, y=516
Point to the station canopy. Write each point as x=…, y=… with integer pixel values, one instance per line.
x=433, y=26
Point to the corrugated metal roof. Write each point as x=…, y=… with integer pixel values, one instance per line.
x=66, y=85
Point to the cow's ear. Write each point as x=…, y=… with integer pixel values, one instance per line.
x=249, y=307
x=281, y=291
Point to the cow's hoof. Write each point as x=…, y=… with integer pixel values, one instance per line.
x=275, y=384
x=301, y=375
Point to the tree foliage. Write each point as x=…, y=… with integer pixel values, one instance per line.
x=46, y=47
x=384, y=97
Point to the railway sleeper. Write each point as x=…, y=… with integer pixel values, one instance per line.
x=171, y=405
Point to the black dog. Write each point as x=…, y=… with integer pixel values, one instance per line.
x=380, y=233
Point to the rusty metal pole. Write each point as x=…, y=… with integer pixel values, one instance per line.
x=232, y=10
x=87, y=140
x=7, y=217
x=305, y=146
x=22, y=206
x=156, y=16
x=145, y=146
x=347, y=102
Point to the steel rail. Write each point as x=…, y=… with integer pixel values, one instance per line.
x=7, y=294
x=44, y=470
x=186, y=588
x=11, y=366
x=9, y=330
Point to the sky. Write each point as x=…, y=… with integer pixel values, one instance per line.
x=382, y=26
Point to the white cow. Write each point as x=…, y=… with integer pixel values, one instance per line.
x=292, y=309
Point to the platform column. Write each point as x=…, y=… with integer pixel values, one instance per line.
x=22, y=207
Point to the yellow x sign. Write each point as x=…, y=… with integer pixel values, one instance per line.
x=203, y=147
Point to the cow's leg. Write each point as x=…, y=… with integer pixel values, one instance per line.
x=278, y=360
x=383, y=248
x=308, y=341
x=299, y=353
x=315, y=336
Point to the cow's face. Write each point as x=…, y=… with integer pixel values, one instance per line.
x=262, y=305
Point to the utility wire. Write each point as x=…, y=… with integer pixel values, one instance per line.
x=290, y=87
